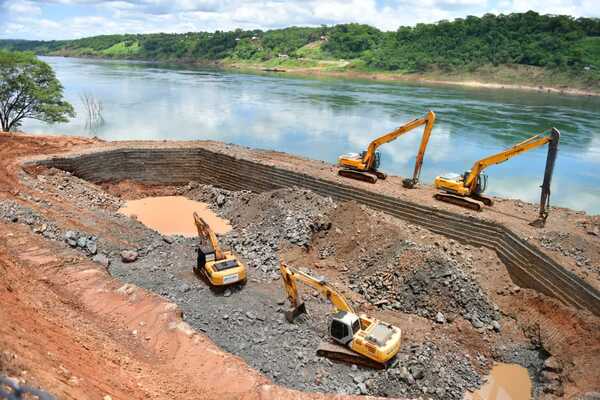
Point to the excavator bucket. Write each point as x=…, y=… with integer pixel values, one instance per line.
x=409, y=183
x=295, y=312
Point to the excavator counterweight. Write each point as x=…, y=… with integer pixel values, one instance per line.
x=466, y=190
x=365, y=166
x=358, y=339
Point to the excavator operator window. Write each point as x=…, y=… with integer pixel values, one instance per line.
x=339, y=330
x=355, y=327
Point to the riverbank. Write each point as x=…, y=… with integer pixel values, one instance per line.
x=514, y=77
x=511, y=77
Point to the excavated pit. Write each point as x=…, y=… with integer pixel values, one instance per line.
x=446, y=279
x=527, y=265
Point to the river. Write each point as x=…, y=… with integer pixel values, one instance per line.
x=323, y=118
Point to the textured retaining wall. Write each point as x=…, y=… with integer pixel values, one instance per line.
x=527, y=265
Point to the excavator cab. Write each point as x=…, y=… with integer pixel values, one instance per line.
x=343, y=327
x=482, y=180
x=481, y=185
x=376, y=158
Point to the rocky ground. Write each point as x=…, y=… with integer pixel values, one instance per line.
x=457, y=307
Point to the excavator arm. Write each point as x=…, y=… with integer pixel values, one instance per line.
x=290, y=276
x=550, y=161
x=428, y=121
x=204, y=232
x=526, y=145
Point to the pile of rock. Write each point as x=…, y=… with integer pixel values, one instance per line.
x=559, y=242
x=439, y=290
x=82, y=241
x=65, y=184
x=551, y=378
x=212, y=195
x=265, y=222
x=424, y=369
x=14, y=212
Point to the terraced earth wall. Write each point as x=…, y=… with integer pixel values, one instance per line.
x=528, y=266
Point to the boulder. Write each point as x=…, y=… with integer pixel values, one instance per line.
x=129, y=256
x=101, y=259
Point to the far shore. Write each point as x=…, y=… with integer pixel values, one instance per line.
x=416, y=78
x=357, y=74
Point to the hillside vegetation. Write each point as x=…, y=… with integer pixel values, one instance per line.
x=561, y=47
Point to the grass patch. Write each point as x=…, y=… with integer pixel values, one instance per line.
x=122, y=49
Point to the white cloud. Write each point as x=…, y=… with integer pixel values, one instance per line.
x=142, y=16
x=23, y=7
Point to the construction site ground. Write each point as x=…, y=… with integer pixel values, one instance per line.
x=81, y=319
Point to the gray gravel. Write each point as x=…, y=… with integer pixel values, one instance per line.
x=439, y=290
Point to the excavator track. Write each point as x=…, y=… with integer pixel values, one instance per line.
x=344, y=354
x=380, y=175
x=485, y=200
x=459, y=201
x=358, y=175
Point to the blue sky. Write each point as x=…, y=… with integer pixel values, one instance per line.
x=66, y=19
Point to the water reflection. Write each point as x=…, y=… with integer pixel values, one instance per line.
x=324, y=118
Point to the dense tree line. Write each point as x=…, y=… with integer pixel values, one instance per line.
x=559, y=42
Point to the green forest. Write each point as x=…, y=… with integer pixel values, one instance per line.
x=557, y=43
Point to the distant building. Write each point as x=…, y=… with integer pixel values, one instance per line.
x=254, y=38
x=284, y=56
x=323, y=38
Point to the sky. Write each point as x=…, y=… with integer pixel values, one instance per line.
x=69, y=19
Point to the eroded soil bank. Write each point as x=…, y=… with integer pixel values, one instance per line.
x=458, y=308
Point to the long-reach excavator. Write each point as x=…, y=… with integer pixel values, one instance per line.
x=218, y=266
x=473, y=183
x=365, y=166
x=361, y=340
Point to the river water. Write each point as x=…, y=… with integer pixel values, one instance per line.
x=322, y=118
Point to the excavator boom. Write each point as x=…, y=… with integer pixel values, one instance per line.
x=206, y=233
x=367, y=163
x=526, y=145
x=218, y=266
x=359, y=339
x=290, y=276
x=472, y=184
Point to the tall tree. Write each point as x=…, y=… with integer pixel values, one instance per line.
x=29, y=89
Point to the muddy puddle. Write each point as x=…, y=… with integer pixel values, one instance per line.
x=505, y=382
x=172, y=215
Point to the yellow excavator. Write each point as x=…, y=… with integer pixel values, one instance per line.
x=461, y=189
x=218, y=266
x=365, y=166
x=360, y=340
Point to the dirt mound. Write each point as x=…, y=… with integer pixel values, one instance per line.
x=437, y=289
x=426, y=369
x=358, y=241
x=266, y=222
